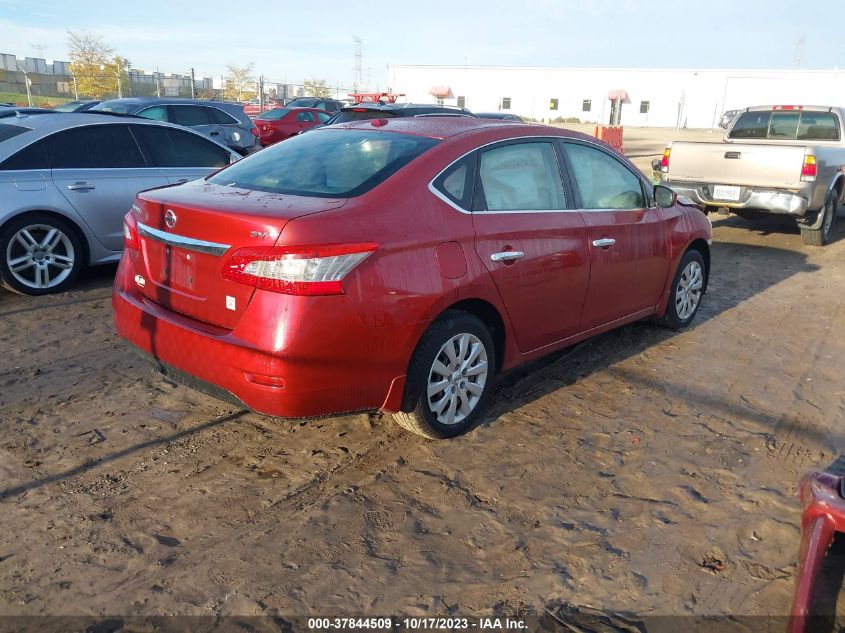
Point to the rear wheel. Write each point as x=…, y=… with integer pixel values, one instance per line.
x=39, y=254
x=450, y=377
x=821, y=235
x=687, y=291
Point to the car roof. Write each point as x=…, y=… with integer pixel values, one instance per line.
x=129, y=101
x=442, y=127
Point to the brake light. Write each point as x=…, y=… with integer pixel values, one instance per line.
x=808, y=170
x=359, y=109
x=130, y=231
x=664, y=162
x=296, y=270
x=787, y=107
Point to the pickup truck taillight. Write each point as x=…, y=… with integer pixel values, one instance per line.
x=664, y=162
x=808, y=171
x=296, y=270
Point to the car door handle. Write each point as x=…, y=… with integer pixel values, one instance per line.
x=604, y=242
x=506, y=256
x=81, y=186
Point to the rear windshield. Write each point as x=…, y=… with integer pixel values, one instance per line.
x=10, y=131
x=792, y=125
x=328, y=163
x=344, y=116
x=272, y=115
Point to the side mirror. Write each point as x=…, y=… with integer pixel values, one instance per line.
x=664, y=197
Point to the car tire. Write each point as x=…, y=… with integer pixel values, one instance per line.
x=821, y=235
x=39, y=254
x=688, y=288
x=450, y=377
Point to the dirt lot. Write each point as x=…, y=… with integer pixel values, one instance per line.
x=646, y=470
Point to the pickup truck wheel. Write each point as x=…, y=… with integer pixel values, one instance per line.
x=687, y=290
x=450, y=377
x=821, y=235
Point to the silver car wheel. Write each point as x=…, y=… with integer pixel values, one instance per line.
x=688, y=292
x=457, y=378
x=40, y=256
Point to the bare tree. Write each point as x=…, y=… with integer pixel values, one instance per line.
x=316, y=88
x=239, y=83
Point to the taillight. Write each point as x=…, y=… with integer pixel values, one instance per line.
x=296, y=270
x=664, y=162
x=808, y=170
x=130, y=231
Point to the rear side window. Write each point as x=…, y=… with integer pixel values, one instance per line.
x=521, y=177
x=362, y=114
x=155, y=113
x=96, y=147
x=168, y=147
x=35, y=156
x=789, y=125
x=305, y=117
x=190, y=115
x=216, y=115
x=456, y=182
x=328, y=163
x=603, y=181
x=11, y=131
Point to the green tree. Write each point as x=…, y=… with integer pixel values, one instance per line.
x=89, y=54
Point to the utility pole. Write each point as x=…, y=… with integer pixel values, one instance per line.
x=75, y=86
x=157, y=77
x=356, y=83
x=799, y=50
x=28, y=83
x=193, y=85
x=260, y=94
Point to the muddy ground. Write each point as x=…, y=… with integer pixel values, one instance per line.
x=646, y=470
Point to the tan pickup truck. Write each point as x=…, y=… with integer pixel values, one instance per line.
x=774, y=159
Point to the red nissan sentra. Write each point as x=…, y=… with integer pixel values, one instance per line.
x=399, y=265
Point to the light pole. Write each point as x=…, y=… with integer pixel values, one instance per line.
x=28, y=83
x=75, y=86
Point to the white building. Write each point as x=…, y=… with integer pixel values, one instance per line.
x=659, y=97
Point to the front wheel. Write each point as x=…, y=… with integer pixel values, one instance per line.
x=450, y=377
x=39, y=254
x=687, y=291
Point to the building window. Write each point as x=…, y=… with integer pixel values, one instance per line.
x=553, y=104
x=586, y=105
x=506, y=103
x=462, y=101
x=439, y=101
x=644, y=105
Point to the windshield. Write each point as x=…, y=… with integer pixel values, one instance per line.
x=790, y=125
x=329, y=163
x=111, y=107
x=10, y=131
x=301, y=103
x=274, y=115
x=68, y=107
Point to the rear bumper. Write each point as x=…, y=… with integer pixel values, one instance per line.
x=289, y=357
x=771, y=200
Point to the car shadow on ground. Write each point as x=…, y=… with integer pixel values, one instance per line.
x=93, y=284
x=740, y=271
x=775, y=224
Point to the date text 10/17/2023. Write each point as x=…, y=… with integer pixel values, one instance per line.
x=417, y=624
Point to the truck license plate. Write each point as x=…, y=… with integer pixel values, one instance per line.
x=725, y=192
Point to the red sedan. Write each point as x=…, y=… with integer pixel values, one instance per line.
x=400, y=264
x=281, y=123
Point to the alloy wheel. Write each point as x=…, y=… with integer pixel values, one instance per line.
x=40, y=256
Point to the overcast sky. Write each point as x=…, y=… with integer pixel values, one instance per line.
x=291, y=40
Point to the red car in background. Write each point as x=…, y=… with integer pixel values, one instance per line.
x=401, y=264
x=252, y=108
x=281, y=123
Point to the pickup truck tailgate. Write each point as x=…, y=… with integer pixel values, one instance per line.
x=775, y=166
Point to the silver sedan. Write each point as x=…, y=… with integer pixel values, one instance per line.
x=66, y=181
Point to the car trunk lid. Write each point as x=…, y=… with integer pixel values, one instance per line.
x=186, y=234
